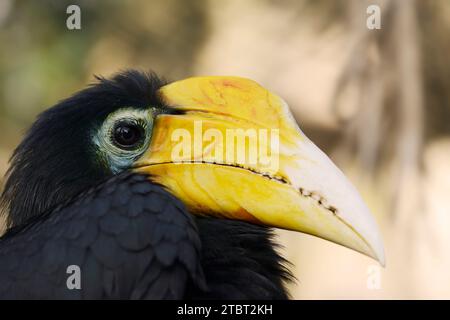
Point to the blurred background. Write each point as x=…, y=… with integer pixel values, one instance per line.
x=376, y=101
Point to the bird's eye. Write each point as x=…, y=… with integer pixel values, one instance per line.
x=128, y=135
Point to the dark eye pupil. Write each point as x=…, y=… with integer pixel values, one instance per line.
x=128, y=135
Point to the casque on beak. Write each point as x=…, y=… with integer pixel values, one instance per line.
x=235, y=151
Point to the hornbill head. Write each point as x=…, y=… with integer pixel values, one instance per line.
x=225, y=146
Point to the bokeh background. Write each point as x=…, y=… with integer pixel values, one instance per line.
x=376, y=101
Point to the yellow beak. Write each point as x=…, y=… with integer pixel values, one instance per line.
x=233, y=150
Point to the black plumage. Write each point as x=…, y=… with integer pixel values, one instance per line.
x=131, y=238
x=119, y=255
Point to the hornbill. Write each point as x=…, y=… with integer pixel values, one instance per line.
x=134, y=181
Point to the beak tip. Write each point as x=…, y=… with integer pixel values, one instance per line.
x=375, y=245
x=379, y=254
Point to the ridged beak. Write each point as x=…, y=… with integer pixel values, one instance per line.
x=233, y=150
